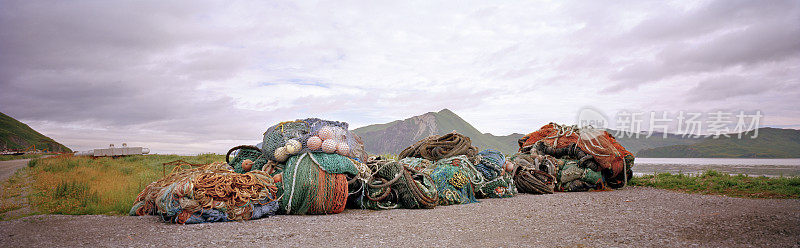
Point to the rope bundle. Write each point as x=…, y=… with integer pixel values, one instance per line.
x=534, y=174
x=439, y=147
x=187, y=195
x=534, y=181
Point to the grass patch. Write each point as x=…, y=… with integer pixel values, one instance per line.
x=713, y=182
x=15, y=157
x=84, y=185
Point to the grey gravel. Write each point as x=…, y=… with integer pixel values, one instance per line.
x=635, y=216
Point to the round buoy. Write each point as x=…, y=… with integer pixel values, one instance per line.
x=343, y=149
x=293, y=146
x=326, y=133
x=314, y=143
x=281, y=154
x=509, y=166
x=329, y=146
x=277, y=177
x=247, y=165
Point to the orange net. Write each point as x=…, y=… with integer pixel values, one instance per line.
x=605, y=149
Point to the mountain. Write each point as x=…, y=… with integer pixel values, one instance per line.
x=393, y=137
x=634, y=144
x=15, y=135
x=770, y=143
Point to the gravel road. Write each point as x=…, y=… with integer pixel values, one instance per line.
x=636, y=216
x=8, y=168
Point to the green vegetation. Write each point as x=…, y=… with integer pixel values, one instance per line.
x=15, y=157
x=17, y=135
x=448, y=121
x=770, y=143
x=712, y=182
x=84, y=185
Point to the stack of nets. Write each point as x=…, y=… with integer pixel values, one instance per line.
x=209, y=194
x=593, y=148
x=316, y=183
x=290, y=138
x=498, y=183
x=455, y=179
x=437, y=147
x=392, y=184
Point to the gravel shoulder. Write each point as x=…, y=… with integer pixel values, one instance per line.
x=636, y=216
x=8, y=168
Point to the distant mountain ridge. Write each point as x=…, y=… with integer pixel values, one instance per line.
x=15, y=135
x=635, y=144
x=770, y=143
x=393, y=137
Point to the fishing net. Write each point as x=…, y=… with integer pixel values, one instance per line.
x=490, y=163
x=502, y=186
x=498, y=183
x=438, y=147
x=455, y=180
x=209, y=194
x=588, y=145
x=315, y=183
x=289, y=138
x=420, y=164
x=394, y=182
x=572, y=177
x=242, y=153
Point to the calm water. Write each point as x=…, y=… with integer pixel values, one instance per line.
x=733, y=166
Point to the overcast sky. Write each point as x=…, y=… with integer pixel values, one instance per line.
x=198, y=76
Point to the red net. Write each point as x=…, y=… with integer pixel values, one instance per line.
x=607, y=152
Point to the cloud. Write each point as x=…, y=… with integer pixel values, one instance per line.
x=199, y=76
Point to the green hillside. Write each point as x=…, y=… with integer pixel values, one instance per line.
x=15, y=135
x=770, y=143
x=634, y=144
x=448, y=121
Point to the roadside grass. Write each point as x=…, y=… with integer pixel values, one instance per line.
x=713, y=182
x=11, y=194
x=84, y=185
x=15, y=157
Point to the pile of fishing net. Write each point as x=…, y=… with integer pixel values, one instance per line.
x=568, y=158
x=314, y=159
x=387, y=184
x=437, y=170
x=210, y=193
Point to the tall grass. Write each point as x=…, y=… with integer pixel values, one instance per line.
x=713, y=182
x=84, y=185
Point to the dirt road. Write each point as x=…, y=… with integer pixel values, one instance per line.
x=630, y=217
x=7, y=168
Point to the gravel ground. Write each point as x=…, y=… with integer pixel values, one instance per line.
x=7, y=168
x=635, y=216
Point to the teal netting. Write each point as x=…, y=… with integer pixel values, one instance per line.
x=455, y=179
